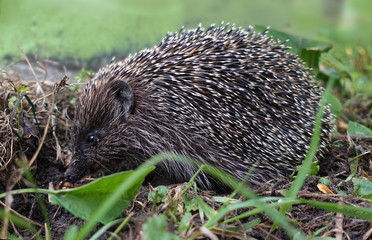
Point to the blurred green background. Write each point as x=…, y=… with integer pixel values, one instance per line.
x=78, y=32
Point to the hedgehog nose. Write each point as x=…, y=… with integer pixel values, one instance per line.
x=75, y=171
x=70, y=178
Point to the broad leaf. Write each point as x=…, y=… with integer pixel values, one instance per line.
x=156, y=228
x=363, y=188
x=358, y=129
x=335, y=104
x=83, y=201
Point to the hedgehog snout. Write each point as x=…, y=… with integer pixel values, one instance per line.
x=76, y=170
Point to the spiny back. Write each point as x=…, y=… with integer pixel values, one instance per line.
x=226, y=96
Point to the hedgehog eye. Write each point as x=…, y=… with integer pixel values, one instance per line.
x=91, y=139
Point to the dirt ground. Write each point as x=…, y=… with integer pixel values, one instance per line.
x=50, y=164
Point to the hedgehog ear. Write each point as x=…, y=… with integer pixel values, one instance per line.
x=124, y=95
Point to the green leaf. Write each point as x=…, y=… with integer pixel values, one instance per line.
x=314, y=169
x=205, y=208
x=333, y=62
x=73, y=87
x=358, y=129
x=83, y=201
x=245, y=226
x=184, y=222
x=73, y=101
x=335, y=104
x=104, y=229
x=156, y=228
x=359, y=212
x=71, y=233
x=325, y=181
x=219, y=199
x=10, y=236
x=11, y=102
x=22, y=88
x=158, y=195
x=190, y=203
x=342, y=193
x=363, y=188
x=83, y=75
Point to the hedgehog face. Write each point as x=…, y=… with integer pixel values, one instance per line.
x=100, y=120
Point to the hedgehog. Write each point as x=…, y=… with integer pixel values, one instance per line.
x=225, y=96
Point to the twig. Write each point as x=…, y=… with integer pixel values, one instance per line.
x=28, y=62
x=15, y=229
x=339, y=224
x=32, y=70
x=44, y=134
x=8, y=202
x=23, y=217
x=367, y=234
x=353, y=137
x=331, y=197
x=208, y=233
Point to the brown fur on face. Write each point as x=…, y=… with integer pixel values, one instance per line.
x=125, y=140
x=98, y=135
